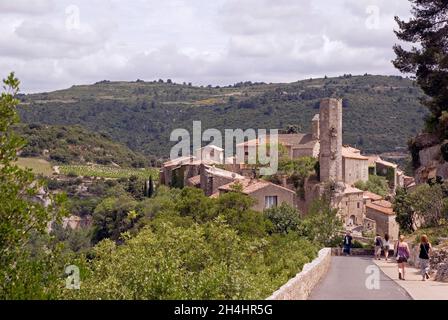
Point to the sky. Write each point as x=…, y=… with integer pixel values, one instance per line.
x=54, y=44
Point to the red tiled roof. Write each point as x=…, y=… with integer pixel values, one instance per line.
x=352, y=153
x=372, y=196
x=251, y=185
x=381, y=206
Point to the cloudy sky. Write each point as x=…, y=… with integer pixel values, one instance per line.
x=53, y=44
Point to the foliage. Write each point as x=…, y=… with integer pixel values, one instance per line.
x=428, y=57
x=402, y=206
x=296, y=172
x=375, y=184
x=206, y=261
x=235, y=208
x=113, y=216
x=429, y=202
x=20, y=214
x=106, y=171
x=284, y=218
x=76, y=145
x=322, y=223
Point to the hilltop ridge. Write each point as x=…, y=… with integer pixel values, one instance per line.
x=380, y=112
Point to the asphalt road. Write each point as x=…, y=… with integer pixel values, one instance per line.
x=357, y=278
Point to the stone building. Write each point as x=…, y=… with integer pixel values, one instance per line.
x=210, y=153
x=382, y=213
x=355, y=167
x=265, y=194
x=211, y=178
x=340, y=167
x=351, y=206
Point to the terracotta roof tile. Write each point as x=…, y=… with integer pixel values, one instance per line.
x=250, y=185
x=382, y=206
x=352, y=153
x=372, y=196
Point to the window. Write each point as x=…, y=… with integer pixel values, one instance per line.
x=358, y=205
x=270, y=201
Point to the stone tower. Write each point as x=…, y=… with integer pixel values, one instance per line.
x=315, y=127
x=330, y=125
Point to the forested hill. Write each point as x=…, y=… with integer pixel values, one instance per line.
x=76, y=145
x=380, y=112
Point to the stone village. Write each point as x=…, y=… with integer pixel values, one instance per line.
x=340, y=167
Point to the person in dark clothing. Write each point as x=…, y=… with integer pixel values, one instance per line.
x=378, y=246
x=425, y=249
x=347, y=243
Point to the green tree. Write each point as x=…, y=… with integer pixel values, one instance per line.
x=375, y=184
x=235, y=207
x=428, y=57
x=193, y=202
x=428, y=201
x=402, y=206
x=114, y=216
x=284, y=218
x=21, y=214
x=322, y=224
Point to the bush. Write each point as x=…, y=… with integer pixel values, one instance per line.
x=284, y=218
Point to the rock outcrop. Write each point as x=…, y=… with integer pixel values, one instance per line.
x=439, y=263
x=427, y=154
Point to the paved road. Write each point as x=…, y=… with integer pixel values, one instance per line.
x=346, y=280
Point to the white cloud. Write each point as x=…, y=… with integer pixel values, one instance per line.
x=217, y=42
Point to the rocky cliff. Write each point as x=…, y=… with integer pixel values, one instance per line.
x=429, y=157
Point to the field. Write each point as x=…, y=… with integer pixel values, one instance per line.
x=106, y=171
x=38, y=166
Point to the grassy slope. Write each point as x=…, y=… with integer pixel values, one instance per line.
x=38, y=166
x=380, y=113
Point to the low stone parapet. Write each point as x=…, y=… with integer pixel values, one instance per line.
x=300, y=287
x=353, y=252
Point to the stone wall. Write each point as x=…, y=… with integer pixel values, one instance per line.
x=300, y=287
x=352, y=208
x=354, y=170
x=384, y=223
x=438, y=261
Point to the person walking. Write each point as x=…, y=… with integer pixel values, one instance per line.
x=386, y=246
x=378, y=246
x=425, y=250
x=347, y=243
x=402, y=254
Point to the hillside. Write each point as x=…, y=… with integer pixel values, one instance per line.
x=380, y=112
x=75, y=145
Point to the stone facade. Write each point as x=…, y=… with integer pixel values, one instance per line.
x=330, y=157
x=351, y=207
x=381, y=212
x=260, y=190
x=355, y=167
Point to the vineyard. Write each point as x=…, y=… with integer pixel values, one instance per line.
x=106, y=171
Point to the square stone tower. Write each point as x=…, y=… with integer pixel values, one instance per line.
x=330, y=156
x=315, y=127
